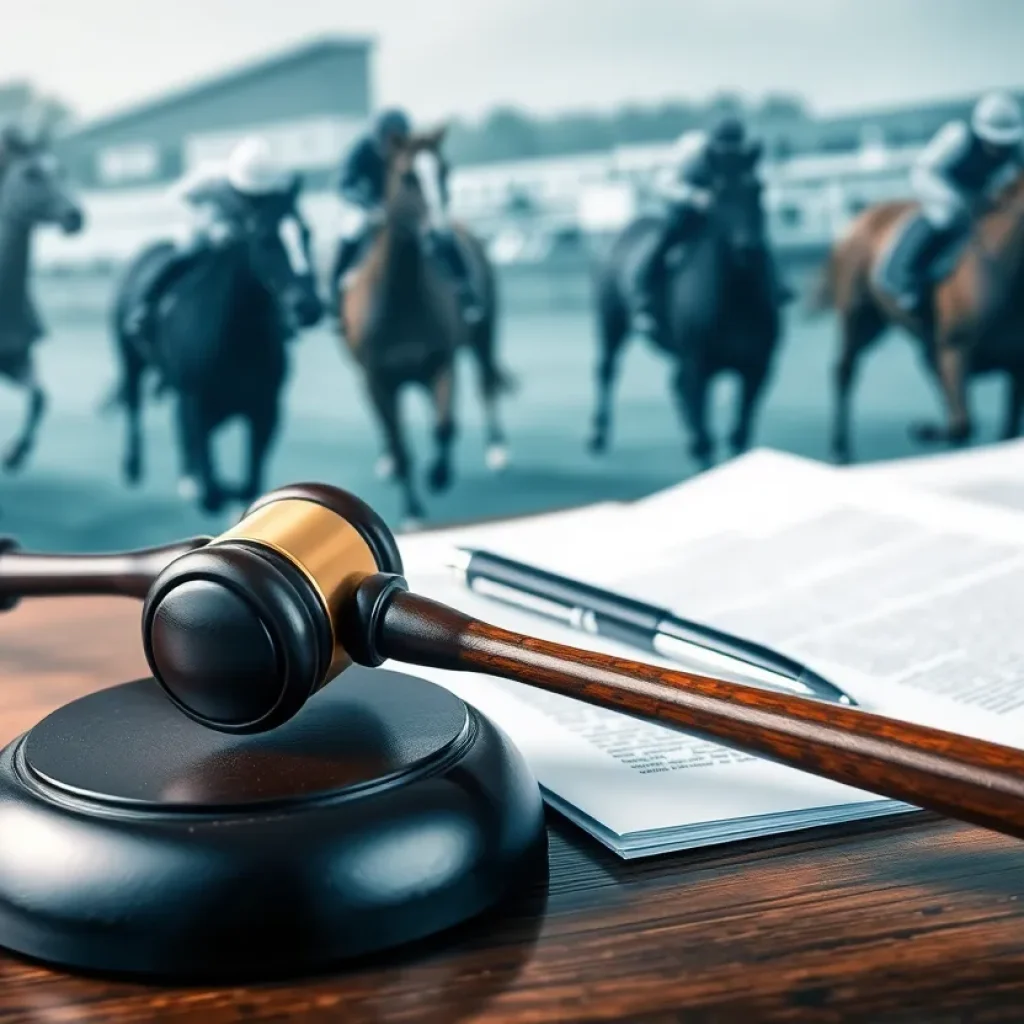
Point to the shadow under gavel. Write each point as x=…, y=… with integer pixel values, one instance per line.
x=241, y=629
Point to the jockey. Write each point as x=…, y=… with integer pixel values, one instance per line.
x=218, y=198
x=362, y=185
x=955, y=177
x=688, y=189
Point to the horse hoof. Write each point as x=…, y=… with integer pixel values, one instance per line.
x=188, y=488
x=440, y=477
x=597, y=445
x=15, y=458
x=497, y=458
x=132, y=474
x=926, y=433
x=213, y=502
x=384, y=468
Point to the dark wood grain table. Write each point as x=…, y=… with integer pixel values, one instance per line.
x=911, y=920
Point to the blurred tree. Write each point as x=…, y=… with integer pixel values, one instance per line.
x=22, y=103
x=508, y=134
x=575, y=133
x=724, y=104
x=511, y=135
x=52, y=115
x=782, y=107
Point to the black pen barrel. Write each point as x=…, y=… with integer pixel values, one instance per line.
x=637, y=618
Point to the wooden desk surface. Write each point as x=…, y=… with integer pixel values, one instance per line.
x=915, y=920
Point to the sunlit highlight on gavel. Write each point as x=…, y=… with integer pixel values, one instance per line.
x=242, y=629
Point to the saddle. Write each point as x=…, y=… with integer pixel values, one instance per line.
x=919, y=253
x=157, y=272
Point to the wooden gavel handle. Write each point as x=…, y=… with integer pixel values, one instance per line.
x=960, y=777
x=125, y=574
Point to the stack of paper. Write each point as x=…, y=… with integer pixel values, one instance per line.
x=905, y=597
x=994, y=474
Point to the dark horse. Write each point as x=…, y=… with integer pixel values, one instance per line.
x=401, y=320
x=718, y=313
x=219, y=337
x=977, y=323
x=31, y=193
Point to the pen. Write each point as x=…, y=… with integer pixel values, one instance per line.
x=616, y=617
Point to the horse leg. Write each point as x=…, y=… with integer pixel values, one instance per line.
x=492, y=382
x=1014, y=405
x=951, y=361
x=385, y=402
x=751, y=389
x=613, y=331
x=690, y=385
x=22, y=445
x=131, y=397
x=860, y=327
x=199, y=479
x=262, y=430
x=440, y=476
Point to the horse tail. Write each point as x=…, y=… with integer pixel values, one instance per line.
x=495, y=379
x=822, y=296
x=115, y=398
x=844, y=276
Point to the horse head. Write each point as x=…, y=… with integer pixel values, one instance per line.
x=417, y=184
x=278, y=244
x=738, y=208
x=33, y=191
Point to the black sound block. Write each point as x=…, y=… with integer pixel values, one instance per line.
x=134, y=840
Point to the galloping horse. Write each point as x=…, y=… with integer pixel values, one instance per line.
x=219, y=342
x=401, y=319
x=977, y=324
x=31, y=193
x=719, y=313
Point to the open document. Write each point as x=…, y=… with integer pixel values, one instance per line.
x=906, y=599
x=992, y=474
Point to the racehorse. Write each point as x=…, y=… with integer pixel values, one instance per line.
x=976, y=322
x=32, y=193
x=219, y=341
x=401, y=321
x=718, y=313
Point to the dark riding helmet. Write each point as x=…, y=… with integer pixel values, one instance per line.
x=729, y=133
x=392, y=124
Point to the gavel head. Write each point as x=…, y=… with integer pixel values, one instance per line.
x=240, y=633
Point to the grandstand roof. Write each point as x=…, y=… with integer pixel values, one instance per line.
x=224, y=81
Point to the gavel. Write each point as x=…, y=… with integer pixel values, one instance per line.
x=240, y=630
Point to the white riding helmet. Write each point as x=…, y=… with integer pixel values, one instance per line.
x=997, y=119
x=252, y=170
x=688, y=145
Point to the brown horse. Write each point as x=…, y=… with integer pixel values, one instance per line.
x=977, y=323
x=402, y=321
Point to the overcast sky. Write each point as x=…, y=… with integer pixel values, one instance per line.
x=464, y=56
